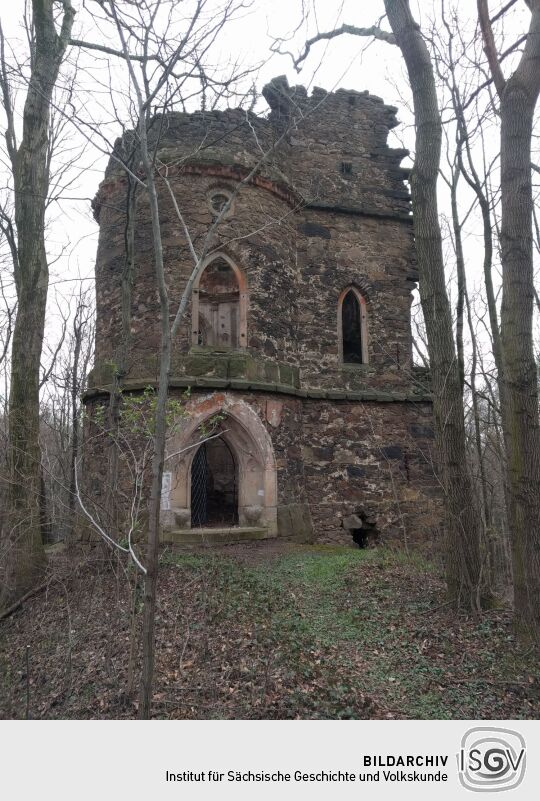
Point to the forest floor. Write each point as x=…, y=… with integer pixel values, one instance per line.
x=267, y=631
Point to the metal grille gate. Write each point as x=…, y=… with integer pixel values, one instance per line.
x=199, y=488
x=214, y=490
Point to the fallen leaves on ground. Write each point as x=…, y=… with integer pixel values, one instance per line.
x=259, y=632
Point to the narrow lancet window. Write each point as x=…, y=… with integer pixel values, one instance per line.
x=353, y=328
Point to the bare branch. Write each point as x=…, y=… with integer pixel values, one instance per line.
x=7, y=102
x=353, y=30
x=101, y=530
x=490, y=48
x=503, y=11
x=509, y=50
x=110, y=51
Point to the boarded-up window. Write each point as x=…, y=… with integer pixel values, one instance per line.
x=219, y=306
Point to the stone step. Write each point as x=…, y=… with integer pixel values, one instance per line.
x=215, y=536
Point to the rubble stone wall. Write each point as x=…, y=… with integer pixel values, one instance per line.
x=326, y=209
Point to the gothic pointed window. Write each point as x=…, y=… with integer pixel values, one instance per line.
x=219, y=306
x=352, y=326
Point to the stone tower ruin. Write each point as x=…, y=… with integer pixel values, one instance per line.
x=298, y=334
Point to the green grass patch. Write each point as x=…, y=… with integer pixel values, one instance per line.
x=363, y=616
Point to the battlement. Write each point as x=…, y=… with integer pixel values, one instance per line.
x=326, y=150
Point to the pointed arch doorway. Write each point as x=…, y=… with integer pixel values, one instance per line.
x=231, y=483
x=214, y=485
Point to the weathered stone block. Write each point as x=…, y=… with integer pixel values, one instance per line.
x=271, y=372
x=392, y=452
x=294, y=522
x=351, y=522
x=286, y=375
x=356, y=471
x=200, y=365
x=422, y=431
x=312, y=229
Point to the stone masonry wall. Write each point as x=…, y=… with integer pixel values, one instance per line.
x=337, y=251
x=338, y=458
x=327, y=209
x=336, y=154
x=259, y=237
x=373, y=460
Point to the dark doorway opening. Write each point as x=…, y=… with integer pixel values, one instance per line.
x=367, y=535
x=214, y=486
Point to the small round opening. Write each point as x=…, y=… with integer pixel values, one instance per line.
x=218, y=201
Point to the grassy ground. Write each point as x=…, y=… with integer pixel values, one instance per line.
x=264, y=631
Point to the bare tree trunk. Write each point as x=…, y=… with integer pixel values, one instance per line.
x=463, y=519
x=518, y=97
x=147, y=90
x=461, y=279
x=520, y=412
x=463, y=300
x=480, y=188
x=78, y=333
x=30, y=163
x=160, y=417
x=150, y=584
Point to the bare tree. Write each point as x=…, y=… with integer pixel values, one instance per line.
x=464, y=526
x=30, y=165
x=464, y=569
x=65, y=378
x=165, y=68
x=518, y=96
x=472, y=129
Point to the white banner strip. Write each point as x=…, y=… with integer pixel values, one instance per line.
x=266, y=760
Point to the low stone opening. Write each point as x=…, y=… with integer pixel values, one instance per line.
x=362, y=529
x=360, y=537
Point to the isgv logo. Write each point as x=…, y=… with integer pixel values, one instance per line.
x=491, y=759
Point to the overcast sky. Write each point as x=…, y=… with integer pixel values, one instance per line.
x=342, y=63
x=348, y=62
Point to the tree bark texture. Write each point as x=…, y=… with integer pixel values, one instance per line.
x=160, y=416
x=463, y=521
x=30, y=165
x=158, y=458
x=520, y=408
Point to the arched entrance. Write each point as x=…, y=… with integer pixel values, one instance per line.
x=229, y=482
x=214, y=485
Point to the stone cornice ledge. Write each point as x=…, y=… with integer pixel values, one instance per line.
x=314, y=393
